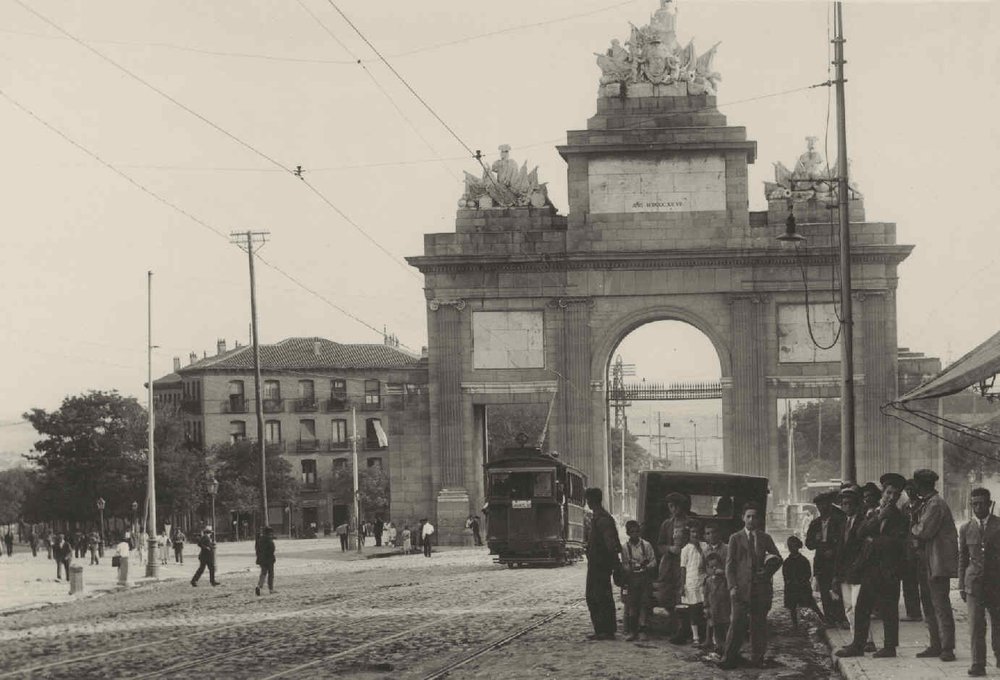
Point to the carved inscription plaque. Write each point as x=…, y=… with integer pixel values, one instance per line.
x=795, y=344
x=657, y=185
x=507, y=340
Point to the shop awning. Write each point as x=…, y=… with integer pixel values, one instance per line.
x=980, y=364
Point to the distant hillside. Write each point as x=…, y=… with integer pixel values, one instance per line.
x=9, y=459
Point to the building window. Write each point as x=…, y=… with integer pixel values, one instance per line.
x=338, y=395
x=237, y=400
x=307, y=396
x=272, y=389
x=339, y=433
x=375, y=437
x=309, y=472
x=373, y=393
x=375, y=462
x=339, y=464
x=237, y=431
x=272, y=432
x=307, y=436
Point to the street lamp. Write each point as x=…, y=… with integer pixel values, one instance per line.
x=695, y=444
x=135, y=519
x=100, y=509
x=213, y=488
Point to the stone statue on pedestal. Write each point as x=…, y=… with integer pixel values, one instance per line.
x=504, y=185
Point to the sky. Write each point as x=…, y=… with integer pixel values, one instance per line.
x=250, y=89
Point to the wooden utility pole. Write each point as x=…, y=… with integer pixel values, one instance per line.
x=356, y=493
x=246, y=241
x=848, y=460
x=152, y=564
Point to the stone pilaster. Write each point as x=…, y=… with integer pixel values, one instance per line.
x=751, y=428
x=574, y=396
x=878, y=359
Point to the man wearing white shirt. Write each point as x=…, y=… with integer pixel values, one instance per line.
x=425, y=536
x=979, y=577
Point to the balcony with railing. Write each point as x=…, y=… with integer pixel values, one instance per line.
x=275, y=447
x=273, y=405
x=336, y=403
x=338, y=445
x=307, y=445
x=235, y=404
x=306, y=405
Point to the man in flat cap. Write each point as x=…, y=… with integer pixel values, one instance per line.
x=883, y=533
x=823, y=537
x=847, y=578
x=937, y=541
x=679, y=507
x=979, y=577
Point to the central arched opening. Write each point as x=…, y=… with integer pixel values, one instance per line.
x=664, y=407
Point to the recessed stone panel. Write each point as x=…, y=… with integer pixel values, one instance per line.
x=796, y=344
x=646, y=185
x=508, y=340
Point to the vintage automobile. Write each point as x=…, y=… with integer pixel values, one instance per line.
x=535, y=508
x=716, y=498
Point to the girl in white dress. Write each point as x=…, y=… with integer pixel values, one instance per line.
x=693, y=575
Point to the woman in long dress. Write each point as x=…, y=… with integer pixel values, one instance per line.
x=122, y=550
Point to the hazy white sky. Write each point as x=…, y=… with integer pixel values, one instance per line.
x=922, y=100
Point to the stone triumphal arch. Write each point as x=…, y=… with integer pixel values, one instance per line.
x=526, y=305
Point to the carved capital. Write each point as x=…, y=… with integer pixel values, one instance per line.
x=564, y=302
x=436, y=304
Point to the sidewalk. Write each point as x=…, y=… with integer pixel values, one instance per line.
x=27, y=582
x=912, y=639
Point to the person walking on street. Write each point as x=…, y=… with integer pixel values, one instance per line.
x=378, y=528
x=797, y=574
x=474, y=525
x=751, y=561
x=823, y=537
x=179, y=539
x=62, y=552
x=603, y=563
x=8, y=543
x=49, y=541
x=883, y=534
x=206, y=557
x=122, y=552
x=265, y=559
x=426, y=531
x=33, y=542
x=979, y=577
x=93, y=544
x=342, y=531
x=937, y=541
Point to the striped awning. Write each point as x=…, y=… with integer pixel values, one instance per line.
x=982, y=363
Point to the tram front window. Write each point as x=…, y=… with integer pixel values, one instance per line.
x=521, y=485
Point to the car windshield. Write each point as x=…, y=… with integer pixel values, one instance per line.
x=712, y=506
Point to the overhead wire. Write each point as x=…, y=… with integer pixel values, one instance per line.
x=884, y=409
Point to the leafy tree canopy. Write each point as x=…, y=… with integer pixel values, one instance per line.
x=237, y=469
x=373, y=489
x=16, y=487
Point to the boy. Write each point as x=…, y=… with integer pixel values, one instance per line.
x=717, y=603
x=638, y=563
x=798, y=588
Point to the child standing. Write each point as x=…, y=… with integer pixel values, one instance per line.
x=638, y=563
x=693, y=578
x=798, y=589
x=717, y=602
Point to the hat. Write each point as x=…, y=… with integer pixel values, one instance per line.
x=677, y=498
x=893, y=479
x=850, y=492
x=925, y=476
x=871, y=487
x=208, y=528
x=825, y=497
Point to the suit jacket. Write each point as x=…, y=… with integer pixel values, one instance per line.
x=979, y=560
x=937, y=536
x=603, y=547
x=884, y=535
x=846, y=567
x=824, y=561
x=740, y=573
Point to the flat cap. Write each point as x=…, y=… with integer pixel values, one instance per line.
x=825, y=497
x=926, y=476
x=871, y=487
x=850, y=492
x=893, y=479
x=677, y=498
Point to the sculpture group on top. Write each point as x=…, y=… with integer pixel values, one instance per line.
x=504, y=185
x=812, y=179
x=653, y=55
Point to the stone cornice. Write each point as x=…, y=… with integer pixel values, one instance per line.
x=663, y=259
x=530, y=387
x=748, y=147
x=436, y=304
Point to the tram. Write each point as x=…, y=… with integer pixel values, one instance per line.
x=535, y=508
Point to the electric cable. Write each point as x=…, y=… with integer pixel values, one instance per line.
x=805, y=285
x=884, y=410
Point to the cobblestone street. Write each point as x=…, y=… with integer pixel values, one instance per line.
x=400, y=617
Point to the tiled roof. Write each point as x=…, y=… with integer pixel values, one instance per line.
x=168, y=380
x=307, y=353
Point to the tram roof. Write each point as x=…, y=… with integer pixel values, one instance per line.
x=528, y=456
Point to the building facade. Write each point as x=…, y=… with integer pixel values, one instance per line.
x=318, y=396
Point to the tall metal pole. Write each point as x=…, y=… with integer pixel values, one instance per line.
x=354, y=467
x=848, y=460
x=624, y=427
x=152, y=564
x=695, y=445
x=250, y=237
x=659, y=436
x=789, y=438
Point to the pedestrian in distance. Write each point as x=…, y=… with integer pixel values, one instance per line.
x=475, y=526
x=33, y=542
x=603, y=564
x=846, y=579
x=179, y=539
x=343, y=530
x=123, y=550
x=405, y=542
x=8, y=543
x=206, y=557
x=163, y=546
x=390, y=534
x=717, y=600
x=415, y=537
x=49, y=541
x=979, y=577
x=265, y=559
x=692, y=578
x=426, y=531
x=884, y=535
x=94, y=544
x=937, y=541
x=823, y=537
x=377, y=530
x=638, y=565
x=751, y=562
x=62, y=553
x=797, y=575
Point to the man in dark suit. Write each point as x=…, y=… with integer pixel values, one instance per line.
x=846, y=579
x=206, y=557
x=937, y=538
x=823, y=537
x=883, y=533
x=752, y=559
x=603, y=560
x=979, y=577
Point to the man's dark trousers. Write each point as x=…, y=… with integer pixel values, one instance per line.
x=911, y=585
x=343, y=542
x=427, y=546
x=935, y=598
x=881, y=594
x=476, y=536
x=179, y=553
x=600, y=601
x=60, y=565
x=977, y=629
x=378, y=539
x=750, y=615
x=201, y=570
x=833, y=610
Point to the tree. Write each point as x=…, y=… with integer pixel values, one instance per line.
x=237, y=469
x=816, y=427
x=505, y=421
x=637, y=459
x=373, y=489
x=181, y=468
x=16, y=487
